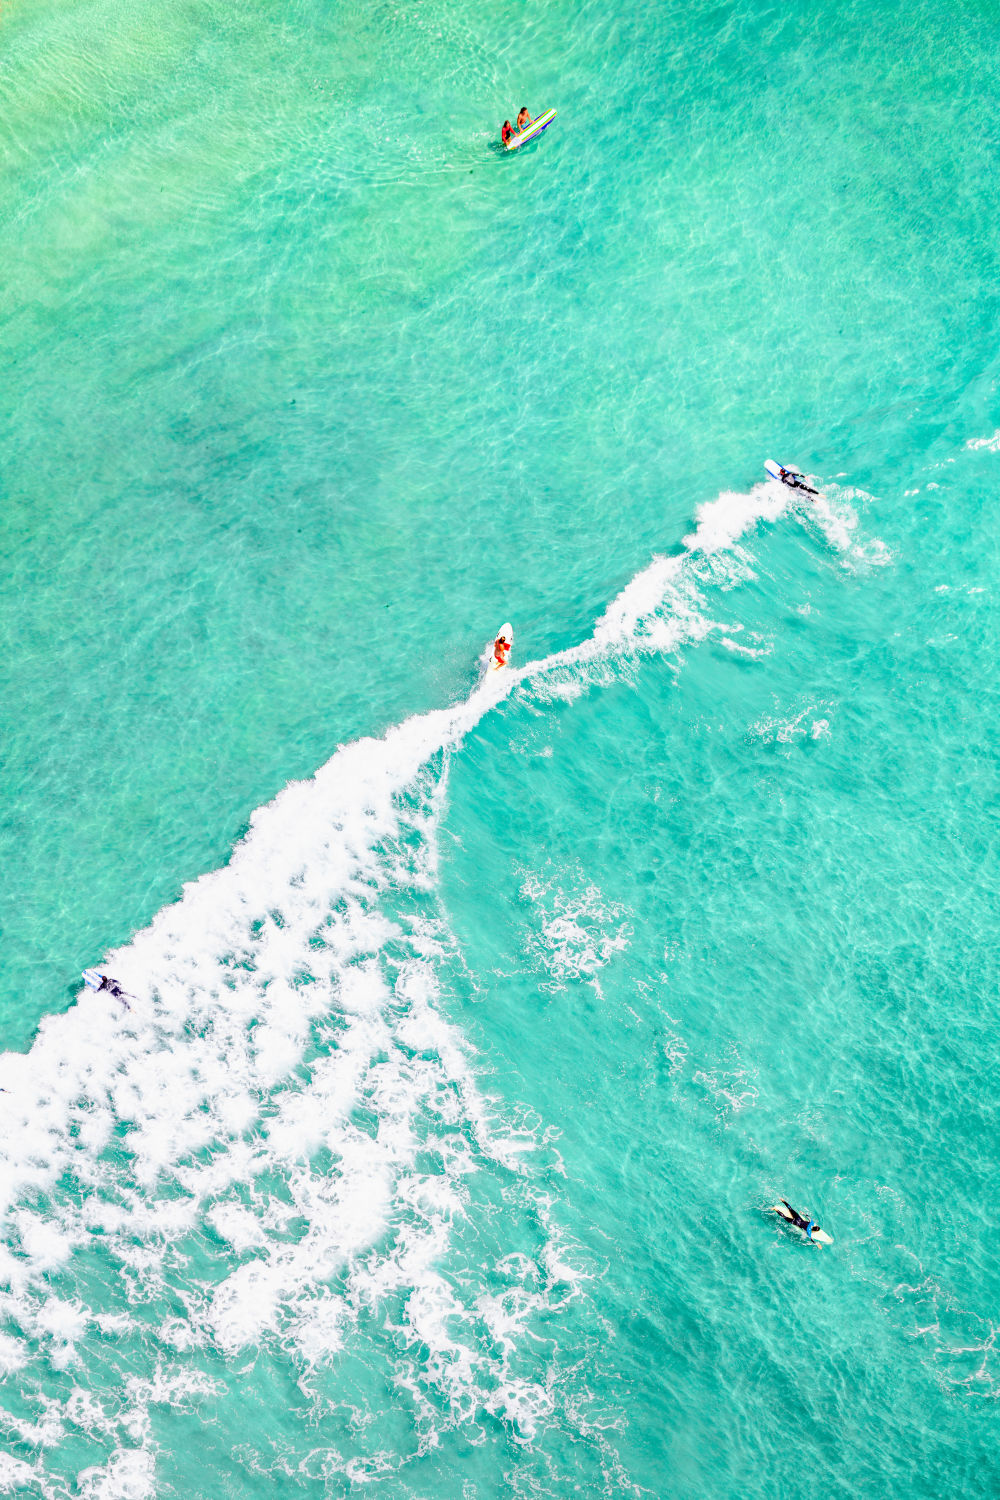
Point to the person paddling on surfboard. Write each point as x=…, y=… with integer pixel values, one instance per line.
x=501, y=650
x=808, y=1226
x=523, y=119
x=107, y=983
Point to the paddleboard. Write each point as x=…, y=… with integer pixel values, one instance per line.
x=774, y=471
x=507, y=631
x=818, y=1236
x=530, y=131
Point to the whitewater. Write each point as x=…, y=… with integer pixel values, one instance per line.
x=272, y=1141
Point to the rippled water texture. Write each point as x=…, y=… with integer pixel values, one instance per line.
x=476, y=1024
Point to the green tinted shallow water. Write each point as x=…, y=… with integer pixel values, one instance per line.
x=308, y=387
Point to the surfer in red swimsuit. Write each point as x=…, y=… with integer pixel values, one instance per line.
x=501, y=651
x=506, y=132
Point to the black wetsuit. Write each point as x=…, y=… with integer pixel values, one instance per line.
x=796, y=482
x=113, y=988
x=809, y=1225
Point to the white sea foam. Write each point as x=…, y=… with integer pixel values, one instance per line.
x=721, y=522
x=785, y=731
x=731, y=1091
x=991, y=444
x=579, y=931
x=835, y=513
x=127, y=1475
x=18, y=1478
x=280, y=1134
x=663, y=607
x=752, y=648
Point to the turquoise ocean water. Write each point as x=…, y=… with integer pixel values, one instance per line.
x=477, y=1025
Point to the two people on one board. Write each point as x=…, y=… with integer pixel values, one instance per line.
x=523, y=120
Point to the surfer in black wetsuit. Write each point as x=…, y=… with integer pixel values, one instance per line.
x=795, y=482
x=808, y=1226
x=114, y=988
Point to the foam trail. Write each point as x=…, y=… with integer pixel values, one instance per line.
x=279, y=997
x=837, y=518
x=285, y=1107
x=663, y=606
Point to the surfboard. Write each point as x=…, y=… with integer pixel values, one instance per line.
x=507, y=631
x=530, y=131
x=92, y=979
x=818, y=1236
x=774, y=471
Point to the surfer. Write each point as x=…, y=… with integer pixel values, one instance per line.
x=795, y=482
x=523, y=119
x=501, y=650
x=113, y=988
x=808, y=1226
x=506, y=132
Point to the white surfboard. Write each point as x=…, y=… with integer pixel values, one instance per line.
x=92, y=979
x=530, y=131
x=774, y=469
x=506, y=631
x=818, y=1236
